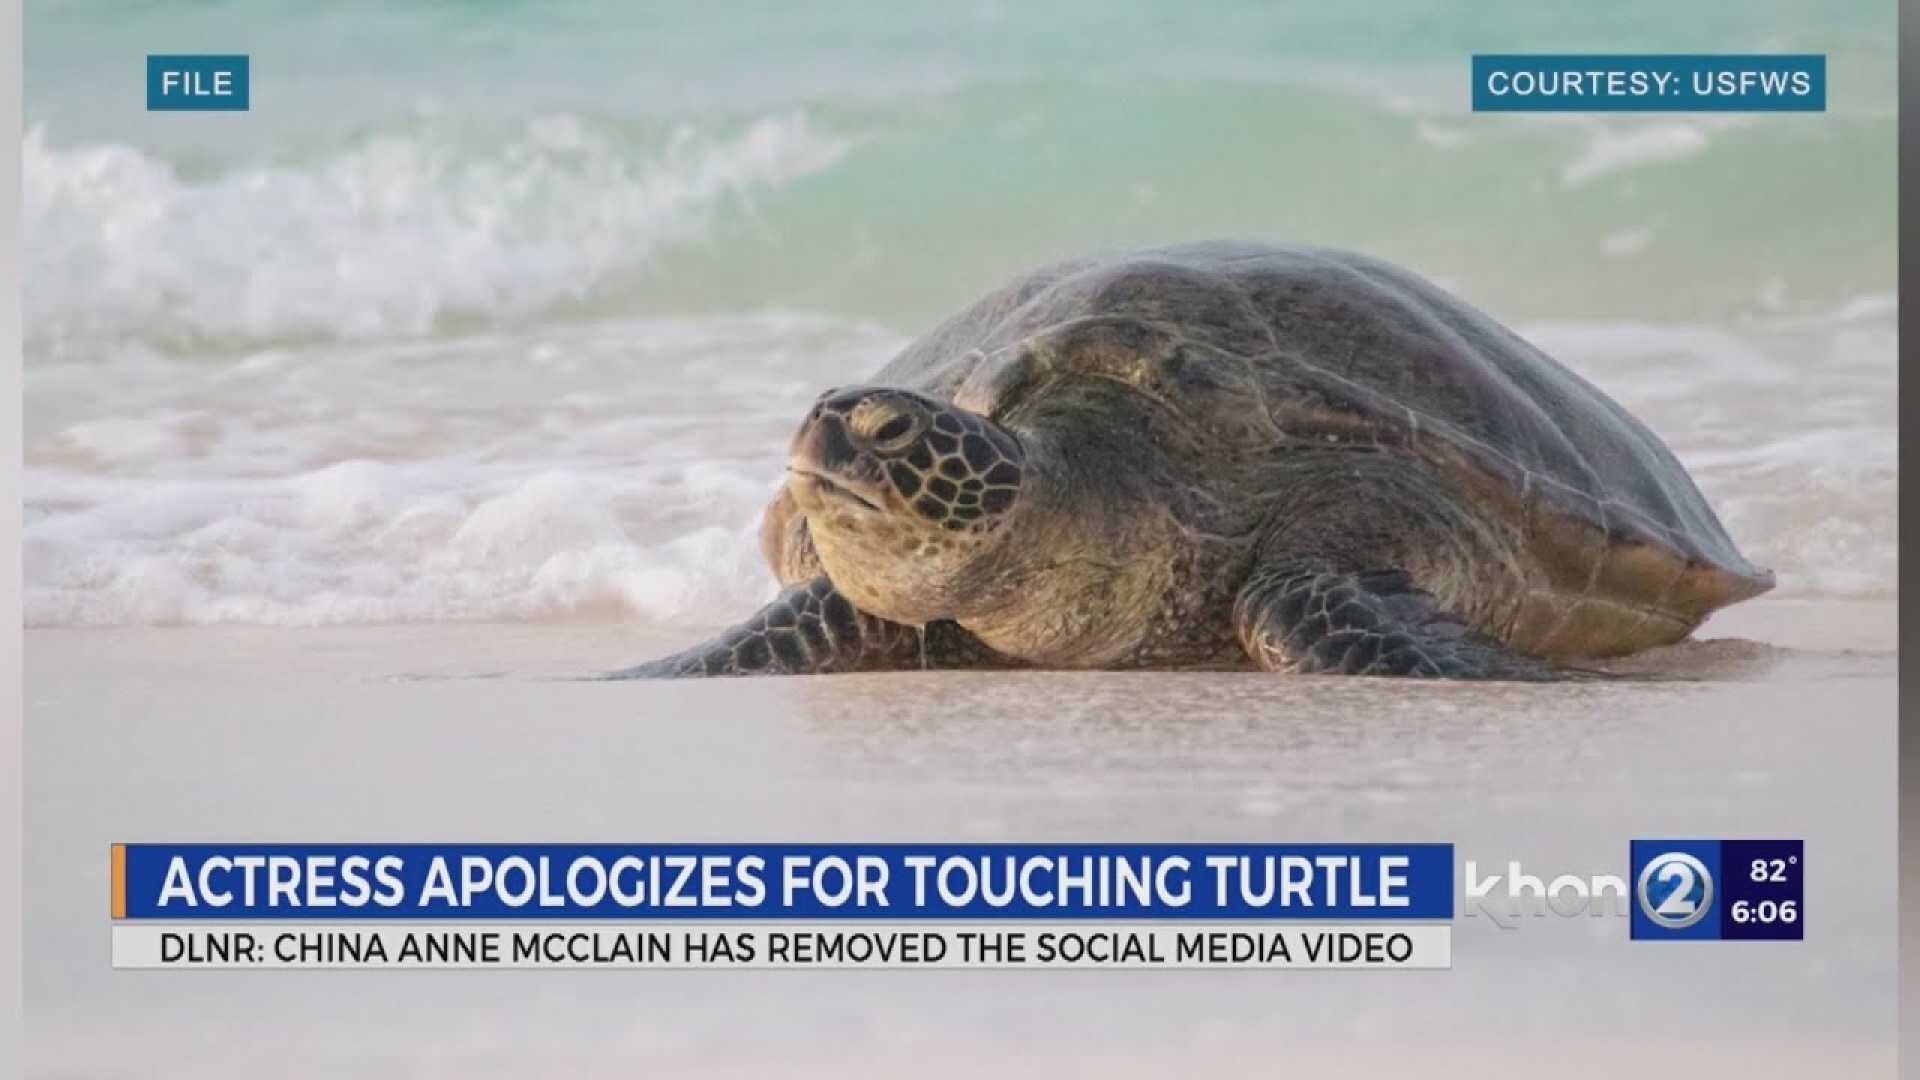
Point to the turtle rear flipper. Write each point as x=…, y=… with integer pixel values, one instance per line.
x=811, y=629
x=1306, y=618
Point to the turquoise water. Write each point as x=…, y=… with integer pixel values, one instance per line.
x=498, y=310
x=892, y=160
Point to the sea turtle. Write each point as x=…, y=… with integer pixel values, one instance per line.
x=1220, y=455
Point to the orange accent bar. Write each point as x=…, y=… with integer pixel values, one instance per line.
x=119, y=906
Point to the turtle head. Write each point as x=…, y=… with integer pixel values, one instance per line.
x=908, y=499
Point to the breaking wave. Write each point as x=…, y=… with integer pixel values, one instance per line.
x=397, y=235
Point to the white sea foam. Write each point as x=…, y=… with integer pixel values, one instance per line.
x=605, y=469
x=1626, y=242
x=1788, y=425
x=1440, y=135
x=364, y=542
x=1615, y=147
x=618, y=469
x=388, y=237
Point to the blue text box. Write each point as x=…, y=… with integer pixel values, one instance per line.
x=1650, y=83
x=1342, y=881
x=198, y=83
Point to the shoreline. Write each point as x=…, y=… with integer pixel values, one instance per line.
x=460, y=731
x=1736, y=642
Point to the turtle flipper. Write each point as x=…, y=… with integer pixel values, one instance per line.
x=811, y=629
x=1305, y=618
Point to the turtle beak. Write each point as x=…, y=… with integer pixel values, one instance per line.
x=825, y=469
x=814, y=492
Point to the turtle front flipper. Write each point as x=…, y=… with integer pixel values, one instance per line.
x=1309, y=618
x=811, y=629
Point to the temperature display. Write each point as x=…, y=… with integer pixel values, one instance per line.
x=1764, y=892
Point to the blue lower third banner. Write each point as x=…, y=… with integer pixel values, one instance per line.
x=1650, y=83
x=782, y=905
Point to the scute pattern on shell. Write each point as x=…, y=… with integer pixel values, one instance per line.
x=1256, y=347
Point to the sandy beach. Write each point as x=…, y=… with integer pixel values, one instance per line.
x=459, y=731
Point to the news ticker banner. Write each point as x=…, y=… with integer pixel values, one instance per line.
x=899, y=906
x=265, y=906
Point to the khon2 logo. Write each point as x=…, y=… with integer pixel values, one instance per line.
x=1675, y=886
x=1719, y=890
x=1675, y=890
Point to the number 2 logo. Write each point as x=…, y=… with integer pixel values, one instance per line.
x=1675, y=890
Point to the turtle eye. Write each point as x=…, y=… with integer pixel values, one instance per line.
x=892, y=429
x=887, y=427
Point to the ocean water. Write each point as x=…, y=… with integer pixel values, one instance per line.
x=505, y=311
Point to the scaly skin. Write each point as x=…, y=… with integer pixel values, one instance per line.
x=812, y=629
x=1305, y=619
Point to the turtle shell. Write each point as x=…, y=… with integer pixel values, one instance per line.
x=1254, y=345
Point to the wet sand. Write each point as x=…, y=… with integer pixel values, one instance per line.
x=458, y=732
